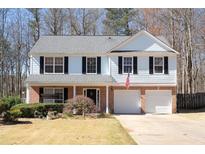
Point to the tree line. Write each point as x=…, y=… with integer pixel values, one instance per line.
x=21, y=28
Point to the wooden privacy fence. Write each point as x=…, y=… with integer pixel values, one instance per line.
x=190, y=101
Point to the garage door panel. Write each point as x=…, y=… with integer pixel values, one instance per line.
x=158, y=101
x=127, y=101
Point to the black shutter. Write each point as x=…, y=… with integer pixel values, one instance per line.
x=135, y=65
x=65, y=94
x=41, y=64
x=84, y=65
x=166, y=64
x=65, y=65
x=98, y=65
x=120, y=64
x=40, y=95
x=150, y=65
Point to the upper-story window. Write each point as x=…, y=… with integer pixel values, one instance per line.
x=158, y=65
x=127, y=64
x=53, y=64
x=91, y=65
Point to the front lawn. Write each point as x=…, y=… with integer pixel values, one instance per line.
x=65, y=131
x=193, y=116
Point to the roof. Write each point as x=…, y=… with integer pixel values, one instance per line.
x=69, y=79
x=84, y=45
x=164, y=40
x=77, y=45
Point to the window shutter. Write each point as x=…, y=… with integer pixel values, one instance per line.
x=135, y=71
x=150, y=65
x=40, y=95
x=166, y=64
x=65, y=94
x=65, y=65
x=98, y=65
x=83, y=65
x=120, y=64
x=41, y=64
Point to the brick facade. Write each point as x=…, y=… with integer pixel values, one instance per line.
x=34, y=95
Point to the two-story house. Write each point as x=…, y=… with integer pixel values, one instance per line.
x=62, y=67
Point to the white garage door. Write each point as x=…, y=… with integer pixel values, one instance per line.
x=127, y=101
x=158, y=101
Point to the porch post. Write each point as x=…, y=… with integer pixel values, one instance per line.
x=107, y=99
x=27, y=93
x=74, y=91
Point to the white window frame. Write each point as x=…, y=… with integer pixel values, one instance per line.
x=123, y=64
x=53, y=65
x=97, y=91
x=53, y=92
x=158, y=65
x=87, y=65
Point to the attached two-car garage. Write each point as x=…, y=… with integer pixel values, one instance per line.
x=129, y=101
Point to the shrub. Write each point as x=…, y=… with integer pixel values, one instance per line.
x=11, y=101
x=81, y=104
x=13, y=115
x=38, y=109
x=3, y=107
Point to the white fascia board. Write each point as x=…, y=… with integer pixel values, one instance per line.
x=104, y=84
x=148, y=34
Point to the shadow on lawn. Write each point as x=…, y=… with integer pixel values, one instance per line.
x=14, y=122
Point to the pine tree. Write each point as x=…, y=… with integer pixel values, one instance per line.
x=117, y=21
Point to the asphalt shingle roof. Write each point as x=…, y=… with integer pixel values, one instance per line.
x=69, y=79
x=77, y=45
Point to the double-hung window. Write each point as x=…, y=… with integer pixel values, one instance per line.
x=49, y=64
x=53, y=64
x=53, y=95
x=127, y=64
x=58, y=65
x=158, y=65
x=91, y=65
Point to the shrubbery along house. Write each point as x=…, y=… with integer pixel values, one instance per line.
x=62, y=67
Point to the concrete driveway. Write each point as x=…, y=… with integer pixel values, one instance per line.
x=163, y=129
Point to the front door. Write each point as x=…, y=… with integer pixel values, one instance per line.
x=91, y=93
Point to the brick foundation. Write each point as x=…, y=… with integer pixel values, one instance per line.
x=34, y=95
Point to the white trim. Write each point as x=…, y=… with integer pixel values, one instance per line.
x=109, y=65
x=145, y=33
x=74, y=91
x=107, y=99
x=87, y=65
x=142, y=53
x=104, y=84
x=53, y=64
x=158, y=65
x=97, y=90
x=27, y=93
x=123, y=64
x=53, y=89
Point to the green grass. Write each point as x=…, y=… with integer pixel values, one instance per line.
x=65, y=131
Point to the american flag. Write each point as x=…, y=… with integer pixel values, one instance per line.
x=127, y=83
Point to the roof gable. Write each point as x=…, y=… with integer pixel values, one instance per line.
x=143, y=41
